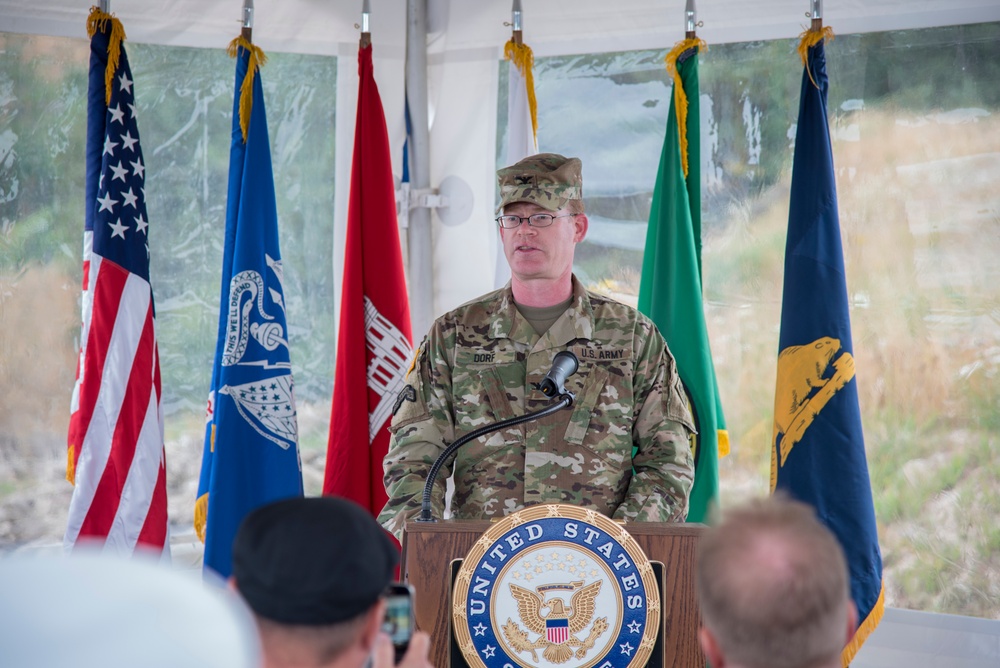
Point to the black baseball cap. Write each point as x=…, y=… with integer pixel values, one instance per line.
x=312, y=561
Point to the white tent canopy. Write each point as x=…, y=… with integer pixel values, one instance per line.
x=554, y=26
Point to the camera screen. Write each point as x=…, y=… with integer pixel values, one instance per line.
x=397, y=619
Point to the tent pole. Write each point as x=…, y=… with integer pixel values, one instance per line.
x=419, y=230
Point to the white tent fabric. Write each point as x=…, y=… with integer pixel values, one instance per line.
x=551, y=26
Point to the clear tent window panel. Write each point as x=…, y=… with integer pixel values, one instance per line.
x=915, y=124
x=184, y=99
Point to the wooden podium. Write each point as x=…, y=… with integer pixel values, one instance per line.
x=430, y=548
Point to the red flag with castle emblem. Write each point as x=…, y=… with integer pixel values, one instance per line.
x=374, y=344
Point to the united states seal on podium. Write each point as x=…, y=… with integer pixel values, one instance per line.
x=556, y=585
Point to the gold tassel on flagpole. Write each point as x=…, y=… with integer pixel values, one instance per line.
x=257, y=58
x=98, y=20
x=680, y=97
x=521, y=57
x=809, y=39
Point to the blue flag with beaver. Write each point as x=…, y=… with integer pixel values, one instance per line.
x=818, y=447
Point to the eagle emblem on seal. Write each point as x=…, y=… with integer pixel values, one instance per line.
x=558, y=628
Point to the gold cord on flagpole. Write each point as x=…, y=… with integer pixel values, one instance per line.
x=257, y=58
x=680, y=97
x=98, y=20
x=811, y=38
x=521, y=57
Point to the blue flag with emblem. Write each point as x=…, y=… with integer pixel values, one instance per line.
x=251, y=454
x=818, y=448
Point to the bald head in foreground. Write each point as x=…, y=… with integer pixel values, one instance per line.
x=314, y=572
x=773, y=589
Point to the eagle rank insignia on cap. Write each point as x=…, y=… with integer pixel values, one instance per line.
x=556, y=585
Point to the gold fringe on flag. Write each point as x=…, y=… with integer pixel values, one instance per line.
x=257, y=58
x=723, y=436
x=680, y=97
x=71, y=465
x=865, y=630
x=809, y=39
x=201, y=516
x=201, y=505
x=521, y=57
x=98, y=20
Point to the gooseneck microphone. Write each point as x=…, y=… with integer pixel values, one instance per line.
x=564, y=365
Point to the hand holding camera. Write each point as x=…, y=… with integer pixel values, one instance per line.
x=398, y=643
x=415, y=656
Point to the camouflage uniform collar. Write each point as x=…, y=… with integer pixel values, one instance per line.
x=576, y=323
x=504, y=317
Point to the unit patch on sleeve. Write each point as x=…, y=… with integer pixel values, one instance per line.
x=405, y=394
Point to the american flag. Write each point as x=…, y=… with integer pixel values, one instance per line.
x=116, y=458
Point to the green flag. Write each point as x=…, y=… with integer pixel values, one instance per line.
x=670, y=291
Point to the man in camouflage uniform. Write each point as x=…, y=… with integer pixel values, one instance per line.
x=480, y=364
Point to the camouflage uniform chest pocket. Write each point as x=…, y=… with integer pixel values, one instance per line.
x=592, y=405
x=480, y=398
x=484, y=402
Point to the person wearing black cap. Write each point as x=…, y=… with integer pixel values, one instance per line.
x=313, y=571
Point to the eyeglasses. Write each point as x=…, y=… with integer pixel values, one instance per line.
x=534, y=220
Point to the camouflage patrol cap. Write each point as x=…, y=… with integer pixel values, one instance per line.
x=546, y=179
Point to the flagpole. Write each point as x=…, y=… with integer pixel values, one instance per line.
x=105, y=6
x=691, y=20
x=516, y=34
x=247, y=31
x=816, y=14
x=366, y=35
